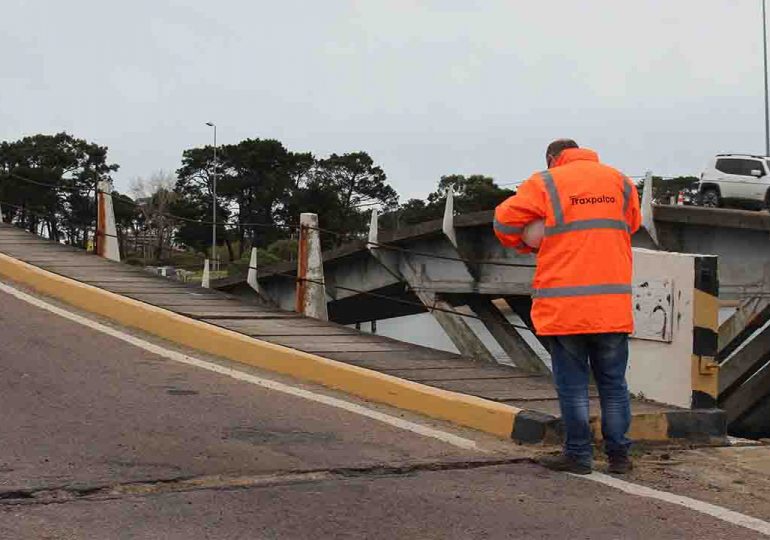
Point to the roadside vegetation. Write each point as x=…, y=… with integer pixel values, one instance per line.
x=48, y=185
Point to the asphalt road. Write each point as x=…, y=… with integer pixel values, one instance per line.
x=101, y=439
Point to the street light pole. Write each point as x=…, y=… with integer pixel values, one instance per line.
x=767, y=113
x=214, y=256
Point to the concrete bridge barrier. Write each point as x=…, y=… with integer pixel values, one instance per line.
x=673, y=350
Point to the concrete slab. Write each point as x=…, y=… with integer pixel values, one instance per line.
x=522, y=385
x=457, y=374
x=397, y=360
x=331, y=341
x=277, y=330
x=322, y=348
x=191, y=297
x=146, y=289
x=217, y=314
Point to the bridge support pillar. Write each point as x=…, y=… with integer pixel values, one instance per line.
x=311, y=288
x=514, y=345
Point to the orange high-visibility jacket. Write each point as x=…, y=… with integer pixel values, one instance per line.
x=582, y=283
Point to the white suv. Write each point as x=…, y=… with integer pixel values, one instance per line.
x=736, y=179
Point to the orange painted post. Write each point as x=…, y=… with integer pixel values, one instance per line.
x=311, y=289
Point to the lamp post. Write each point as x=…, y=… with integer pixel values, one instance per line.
x=214, y=256
x=767, y=113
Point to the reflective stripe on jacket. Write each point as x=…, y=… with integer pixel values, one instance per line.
x=582, y=283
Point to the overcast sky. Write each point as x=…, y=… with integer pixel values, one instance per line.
x=427, y=87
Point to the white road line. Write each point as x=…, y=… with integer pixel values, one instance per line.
x=736, y=518
x=450, y=438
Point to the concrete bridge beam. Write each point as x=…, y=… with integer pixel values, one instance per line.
x=455, y=326
x=522, y=306
x=751, y=314
x=740, y=403
x=742, y=365
x=514, y=345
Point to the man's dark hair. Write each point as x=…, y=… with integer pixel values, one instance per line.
x=558, y=146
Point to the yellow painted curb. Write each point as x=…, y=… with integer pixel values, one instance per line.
x=461, y=409
x=650, y=427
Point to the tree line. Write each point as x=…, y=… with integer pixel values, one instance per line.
x=48, y=186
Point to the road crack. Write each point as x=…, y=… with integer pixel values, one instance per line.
x=66, y=494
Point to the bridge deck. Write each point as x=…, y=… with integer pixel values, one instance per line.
x=415, y=363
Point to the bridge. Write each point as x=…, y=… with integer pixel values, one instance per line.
x=741, y=240
x=456, y=269
x=502, y=400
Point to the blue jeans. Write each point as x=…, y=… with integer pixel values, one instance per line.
x=607, y=356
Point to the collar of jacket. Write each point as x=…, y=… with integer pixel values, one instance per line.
x=575, y=154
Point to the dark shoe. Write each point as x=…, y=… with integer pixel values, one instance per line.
x=564, y=463
x=620, y=465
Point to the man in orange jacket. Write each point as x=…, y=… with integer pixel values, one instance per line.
x=581, y=291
